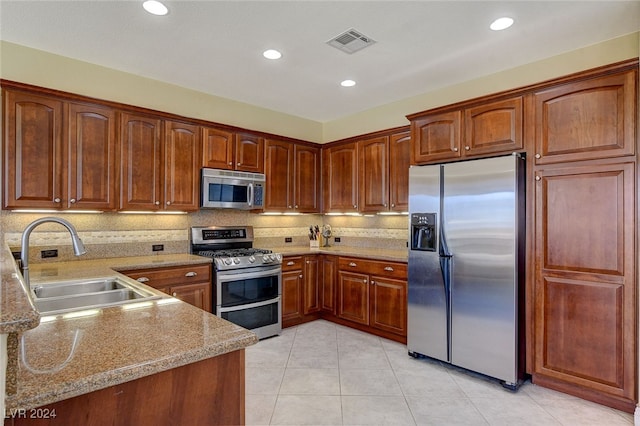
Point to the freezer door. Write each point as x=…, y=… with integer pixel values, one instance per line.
x=427, y=310
x=480, y=224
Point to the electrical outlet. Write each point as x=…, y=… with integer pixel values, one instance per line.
x=157, y=247
x=336, y=239
x=288, y=239
x=49, y=253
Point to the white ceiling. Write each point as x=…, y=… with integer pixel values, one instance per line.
x=216, y=46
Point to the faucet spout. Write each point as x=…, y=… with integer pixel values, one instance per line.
x=78, y=246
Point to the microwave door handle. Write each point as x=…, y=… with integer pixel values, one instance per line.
x=250, y=194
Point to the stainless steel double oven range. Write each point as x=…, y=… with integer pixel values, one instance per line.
x=247, y=282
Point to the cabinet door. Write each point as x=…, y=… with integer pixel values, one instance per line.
x=198, y=295
x=32, y=151
x=353, y=297
x=586, y=120
x=399, y=161
x=217, y=149
x=279, y=173
x=306, y=178
x=495, y=127
x=292, y=310
x=389, y=305
x=91, y=152
x=249, y=153
x=340, y=168
x=181, y=166
x=373, y=157
x=436, y=137
x=311, y=285
x=329, y=278
x=141, y=186
x=585, y=299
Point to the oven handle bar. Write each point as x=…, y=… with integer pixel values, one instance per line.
x=224, y=276
x=249, y=306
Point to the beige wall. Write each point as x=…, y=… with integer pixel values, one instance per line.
x=32, y=66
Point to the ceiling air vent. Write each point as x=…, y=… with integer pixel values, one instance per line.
x=351, y=41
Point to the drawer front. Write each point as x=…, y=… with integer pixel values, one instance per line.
x=291, y=263
x=163, y=277
x=373, y=267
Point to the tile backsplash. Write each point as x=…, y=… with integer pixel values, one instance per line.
x=116, y=234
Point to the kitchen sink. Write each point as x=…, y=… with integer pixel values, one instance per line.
x=69, y=296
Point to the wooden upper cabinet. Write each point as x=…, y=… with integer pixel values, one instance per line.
x=306, y=179
x=91, y=151
x=586, y=120
x=217, y=149
x=436, y=137
x=374, y=174
x=249, y=153
x=141, y=185
x=279, y=171
x=495, y=127
x=340, y=178
x=399, y=161
x=32, y=151
x=181, y=166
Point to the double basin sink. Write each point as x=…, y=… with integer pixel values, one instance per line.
x=67, y=296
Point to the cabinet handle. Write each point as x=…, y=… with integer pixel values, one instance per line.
x=230, y=163
x=455, y=149
x=289, y=206
x=355, y=206
x=538, y=178
x=296, y=206
x=174, y=294
x=290, y=263
x=388, y=268
x=56, y=200
x=364, y=281
x=385, y=204
x=157, y=203
x=72, y=201
x=191, y=274
x=300, y=275
x=373, y=282
x=142, y=279
x=168, y=203
x=467, y=148
x=538, y=155
x=393, y=204
x=352, y=264
x=237, y=164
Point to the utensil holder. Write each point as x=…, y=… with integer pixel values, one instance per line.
x=314, y=244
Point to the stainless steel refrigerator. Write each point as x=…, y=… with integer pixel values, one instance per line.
x=466, y=265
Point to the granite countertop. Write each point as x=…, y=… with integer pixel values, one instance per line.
x=66, y=357
x=392, y=255
x=17, y=312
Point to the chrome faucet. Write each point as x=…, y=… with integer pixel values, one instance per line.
x=78, y=247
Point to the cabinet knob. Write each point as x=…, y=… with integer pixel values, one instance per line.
x=538, y=155
x=168, y=203
x=355, y=206
x=291, y=263
x=191, y=274
x=393, y=204
x=352, y=264
x=300, y=275
x=364, y=281
x=455, y=149
x=142, y=279
x=296, y=206
x=467, y=148
x=157, y=203
x=538, y=178
x=174, y=294
x=238, y=163
x=289, y=206
x=72, y=201
x=56, y=200
x=385, y=204
x=373, y=282
x=230, y=163
x=388, y=268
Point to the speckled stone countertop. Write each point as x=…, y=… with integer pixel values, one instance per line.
x=66, y=357
x=17, y=312
x=367, y=253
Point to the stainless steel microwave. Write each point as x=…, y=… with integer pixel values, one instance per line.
x=227, y=189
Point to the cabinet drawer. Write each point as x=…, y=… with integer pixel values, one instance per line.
x=164, y=277
x=291, y=263
x=373, y=267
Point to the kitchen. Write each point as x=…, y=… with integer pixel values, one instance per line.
x=270, y=230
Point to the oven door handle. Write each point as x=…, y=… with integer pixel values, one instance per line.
x=250, y=194
x=250, y=305
x=223, y=277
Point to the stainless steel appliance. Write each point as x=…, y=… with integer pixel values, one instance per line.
x=227, y=189
x=247, y=282
x=466, y=266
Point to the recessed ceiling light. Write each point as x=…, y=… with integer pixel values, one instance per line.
x=155, y=7
x=348, y=83
x=501, y=24
x=272, y=54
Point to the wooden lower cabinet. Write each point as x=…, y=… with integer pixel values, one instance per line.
x=585, y=311
x=291, y=297
x=208, y=392
x=329, y=275
x=300, y=289
x=191, y=284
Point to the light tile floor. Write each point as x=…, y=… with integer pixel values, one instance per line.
x=321, y=373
